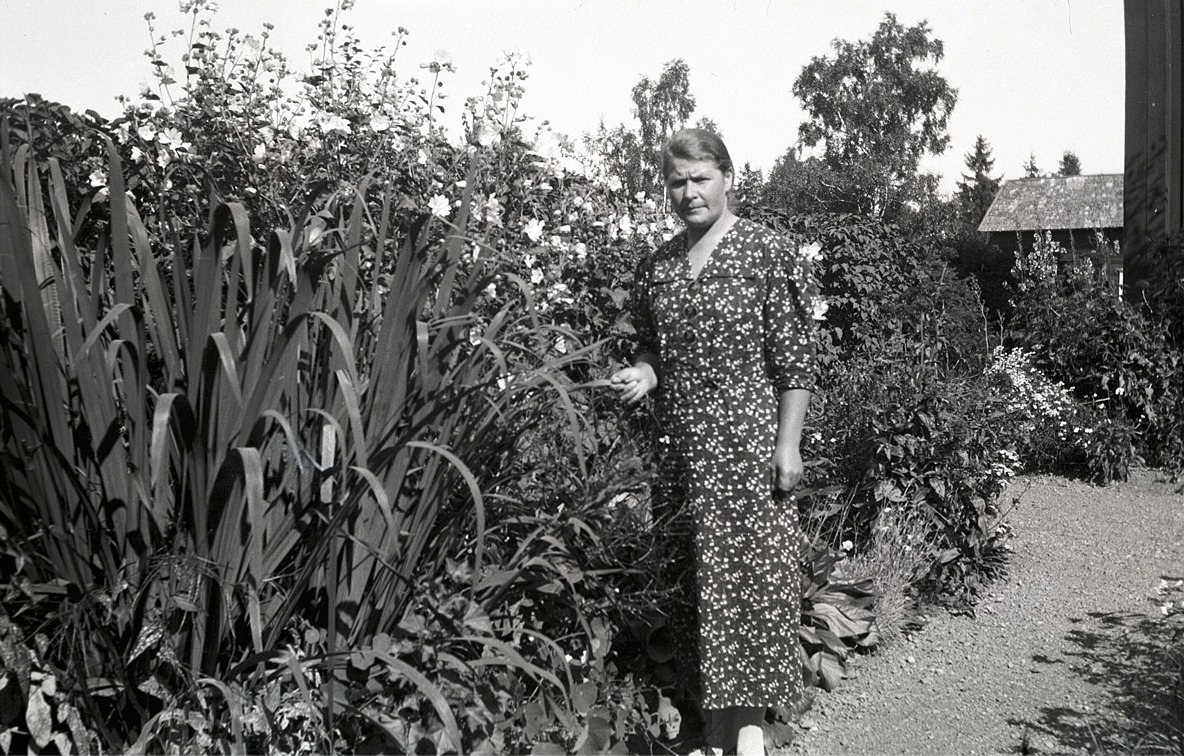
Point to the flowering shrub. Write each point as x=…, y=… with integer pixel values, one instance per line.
x=1118, y=360
x=412, y=327
x=1041, y=421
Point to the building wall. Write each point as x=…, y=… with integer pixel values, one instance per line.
x=1079, y=239
x=1154, y=176
x=1080, y=242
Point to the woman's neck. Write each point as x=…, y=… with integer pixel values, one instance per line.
x=701, y=243
x=707, y=237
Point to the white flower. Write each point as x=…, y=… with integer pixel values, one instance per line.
x=614, y=184
x=441, y=61
x=581, y=251
x=536, y=276
x=439, y=206
x=330, y=122
x=847, y=546
x=484, y=135
x=819, y=308
x=555, y=241
x=626, y=226
x=98, y=177
x=259, y=153
x=173, y=137
x=491, y=291
x=811, y=252
x=146, y=132
x=493, y=212
x=533, y=230
x=380, y=123
x=547, y=145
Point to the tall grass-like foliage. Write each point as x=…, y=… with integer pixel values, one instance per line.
x=201, y=450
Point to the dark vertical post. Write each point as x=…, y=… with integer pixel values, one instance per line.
x=1153, y=182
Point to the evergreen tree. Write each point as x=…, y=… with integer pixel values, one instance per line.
x=1030, y=169
x=1070, y=165
x=749, y=182
x=977, y=189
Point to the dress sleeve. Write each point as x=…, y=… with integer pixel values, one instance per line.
x=640, y=311
x=789, y=331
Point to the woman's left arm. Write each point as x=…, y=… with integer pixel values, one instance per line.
x=787, y=466
x=789, y=344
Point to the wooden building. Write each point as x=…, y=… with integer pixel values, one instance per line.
x=1074, y=209
x=1154, y=187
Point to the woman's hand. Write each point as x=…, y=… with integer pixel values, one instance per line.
x=786, y=468
x=632, y=383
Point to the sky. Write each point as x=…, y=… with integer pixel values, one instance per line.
x=1035, y=77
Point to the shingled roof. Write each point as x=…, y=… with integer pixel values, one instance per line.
x=1050, y=203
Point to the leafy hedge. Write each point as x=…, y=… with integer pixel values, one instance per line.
x=305, y=443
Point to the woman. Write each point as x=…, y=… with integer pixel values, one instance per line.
x=725, y=342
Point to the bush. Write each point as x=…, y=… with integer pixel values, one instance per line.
x=320, y=394
x=1121, y=361
x=390, y=397
x=1039, y=420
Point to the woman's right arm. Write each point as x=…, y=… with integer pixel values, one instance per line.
x=633, y=383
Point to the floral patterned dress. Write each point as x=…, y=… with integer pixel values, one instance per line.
x=729, y=341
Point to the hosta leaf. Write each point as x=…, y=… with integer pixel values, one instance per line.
x=833, y=642
x=830, y=671
x=838, y=622
x=39, y=717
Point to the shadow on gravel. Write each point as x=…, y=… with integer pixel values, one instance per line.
x=1135, y=660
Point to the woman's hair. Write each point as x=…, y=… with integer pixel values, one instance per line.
x=696, y=144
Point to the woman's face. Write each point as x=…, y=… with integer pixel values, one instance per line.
x=698, y=191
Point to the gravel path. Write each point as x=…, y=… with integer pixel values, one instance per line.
x=1065, y=654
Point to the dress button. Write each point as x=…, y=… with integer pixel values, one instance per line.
x=691, y=310
x=689, y=337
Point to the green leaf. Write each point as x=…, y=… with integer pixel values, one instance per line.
x=39, y=717
x=584, y=697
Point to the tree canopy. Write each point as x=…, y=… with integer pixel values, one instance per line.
x=1030, y=168
x=1070, y=164
x=877, y=106
x=977, y=189
x=661, y=107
